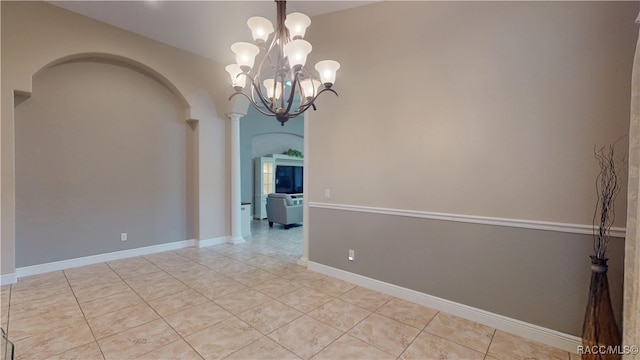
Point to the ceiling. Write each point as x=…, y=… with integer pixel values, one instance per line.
x=207, y=28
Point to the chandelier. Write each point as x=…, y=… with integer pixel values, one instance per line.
x=281, y=73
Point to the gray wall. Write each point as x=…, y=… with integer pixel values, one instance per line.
x=100, y=149
x=255, y=124
x=540, y=277
x=487, y=109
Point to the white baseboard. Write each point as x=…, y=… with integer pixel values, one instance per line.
x=94, y=259
x=213, y=241
x=530, y=331
x=7, y=279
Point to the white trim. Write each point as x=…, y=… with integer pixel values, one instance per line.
x=530, y=331
x=7, y=279
x=213, y=241
x=235, y=240
x=94, y=259
x=517, y=223
x=303, y=261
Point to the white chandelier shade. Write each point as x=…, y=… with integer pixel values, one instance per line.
x=261, y=28
x=297, y=23
x=281, y=72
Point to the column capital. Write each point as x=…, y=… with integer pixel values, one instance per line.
x=235, y=116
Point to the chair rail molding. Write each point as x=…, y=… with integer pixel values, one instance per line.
x=472, y=219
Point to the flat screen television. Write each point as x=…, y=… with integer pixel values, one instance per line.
x=289, y=179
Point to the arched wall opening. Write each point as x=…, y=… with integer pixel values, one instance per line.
x=101, y=148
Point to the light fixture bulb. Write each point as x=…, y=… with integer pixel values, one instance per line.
x=268, y=85
x=327, y=70
x=238, y=82
x=297, y=51
x=261, y=28
x=310, y=88
x=297, y=23
x=245, y=54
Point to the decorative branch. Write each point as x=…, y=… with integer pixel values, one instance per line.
x=607, y=189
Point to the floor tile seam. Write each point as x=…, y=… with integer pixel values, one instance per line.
x=281, y=326
x=42, y=298
x=405, y=349
x=362, y=307
x=332, y=295
x=127, y=329
x=21, y=318
x=307, y=312
x=59, y=324
x=39, y=286
x=173, y=342
x=351, y=328
x=134, y=291
x=273, y=330
x=181, y=309
x=93, y=283
x=370, y=344
x=184, y=337
x=251, y=343
x=84, y=302
x=93, y=335
x=454, y=342
x=27, y=302
x=271, y=296
x=126, y=280
x=128, y=308
x=405, y=323
x=140, y=274
x=272, y=257
x=319, y=351
x=175, y=278
x=102, y=297
x=9, y=312
x=76, y=347
x=493, y=335
x=167, y=251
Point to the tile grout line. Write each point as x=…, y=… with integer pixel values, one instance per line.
x=165, y=321
x=421, y=331
x=490, y=342
x=83, y=315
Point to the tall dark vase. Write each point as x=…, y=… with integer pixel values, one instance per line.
x=599, y=328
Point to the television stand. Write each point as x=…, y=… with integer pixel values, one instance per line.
x=297, y=199
x=265, y=180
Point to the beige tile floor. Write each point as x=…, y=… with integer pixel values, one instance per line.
x=248, y=301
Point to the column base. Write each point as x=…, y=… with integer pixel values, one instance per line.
x=236, y=240
x=303, y=261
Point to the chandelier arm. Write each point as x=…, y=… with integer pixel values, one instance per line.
x=311, y=103
x=256, y=88
x=255, y=105
x=292, y=92
x=265, y=58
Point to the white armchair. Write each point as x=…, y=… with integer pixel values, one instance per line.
x=280, y=209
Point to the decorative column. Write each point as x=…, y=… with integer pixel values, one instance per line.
x=305, y=210
x=236, y=206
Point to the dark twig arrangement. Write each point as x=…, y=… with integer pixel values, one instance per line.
x=607, y=189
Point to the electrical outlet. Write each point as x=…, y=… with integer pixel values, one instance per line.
x=327, y=193
x=352, y=255
x=123, y=236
